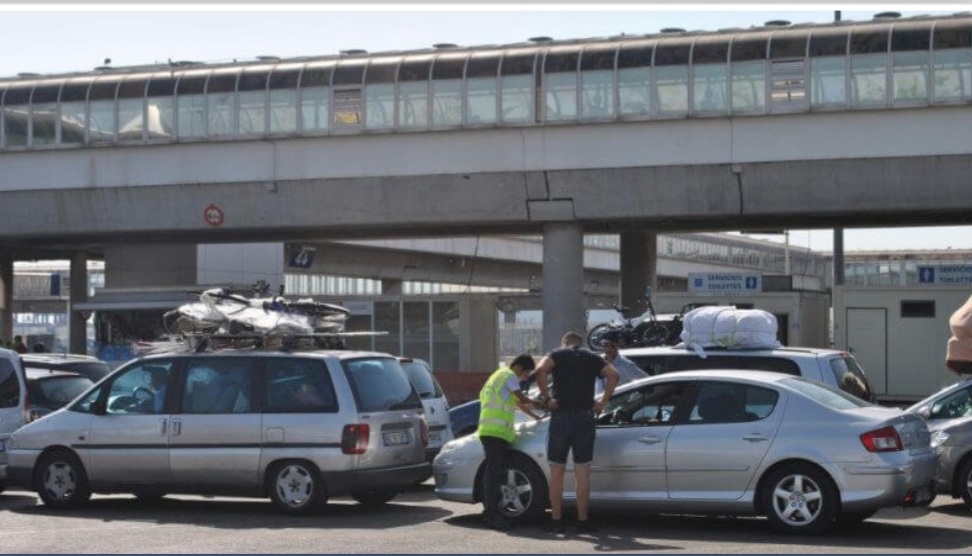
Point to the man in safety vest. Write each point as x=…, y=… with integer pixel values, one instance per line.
x=498, y=399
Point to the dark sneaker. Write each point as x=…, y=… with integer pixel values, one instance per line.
x=556, y=526
x=498, y=523
x=586, y=526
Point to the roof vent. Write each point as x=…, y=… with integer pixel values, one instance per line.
x=540, y=39
x=777, y=23
x=887, y=15
x=353, y=51
x=268, y=58
x=673, y=30
x=441, y=45
x=28, y=74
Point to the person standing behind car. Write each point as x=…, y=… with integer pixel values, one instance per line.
x=572, y=411
x=496, y=419
x=19, y=345
x=627, y=369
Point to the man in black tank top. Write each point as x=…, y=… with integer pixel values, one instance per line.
x=572, y=410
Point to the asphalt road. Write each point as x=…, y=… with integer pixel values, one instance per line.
x=417, y=522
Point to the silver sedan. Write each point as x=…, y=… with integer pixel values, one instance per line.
x=726, y=443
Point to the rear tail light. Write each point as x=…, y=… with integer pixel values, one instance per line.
x=882, y=440
x=354, y=438
x=424, y=432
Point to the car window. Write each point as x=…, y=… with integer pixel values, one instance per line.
x=748, y=362
x=421, y=378
x=142, y=388
x=648, y=405
x=651, y=364
x=824, y=394
x=380, y=384
x=218, y=386
x=298, y=386
x=9, y=385
x=850, y=377
x=957, y=404
x=728, y=402
x=57, y=391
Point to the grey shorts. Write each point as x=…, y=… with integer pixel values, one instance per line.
x=571, y=431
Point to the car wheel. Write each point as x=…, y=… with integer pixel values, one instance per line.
x=61, y=480
x=374, y=498
x=523, y=492
x=964, y=482
x=799, y=498
x=295, y=487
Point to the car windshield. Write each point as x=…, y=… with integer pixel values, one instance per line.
x=421, y=378
x=56, y=392
x=830, y=397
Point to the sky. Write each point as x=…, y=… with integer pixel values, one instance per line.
x=73, y=37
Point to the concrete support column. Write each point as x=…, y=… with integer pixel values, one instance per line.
x=838, y=256
x=77, y=323
x=391, y=287
x=6, y=296
x=563, y=282
x=639, y=268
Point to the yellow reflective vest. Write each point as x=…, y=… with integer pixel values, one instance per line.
x=496, y=411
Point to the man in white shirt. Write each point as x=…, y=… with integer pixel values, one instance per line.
x=628, y=370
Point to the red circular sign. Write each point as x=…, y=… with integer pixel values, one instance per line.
x=213, y=215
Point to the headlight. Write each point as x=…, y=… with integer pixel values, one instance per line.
x=939, y=438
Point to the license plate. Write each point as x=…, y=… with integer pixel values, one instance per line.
x=435, y=437
x=395, y=438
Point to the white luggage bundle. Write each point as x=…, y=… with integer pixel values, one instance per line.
x=729, y=327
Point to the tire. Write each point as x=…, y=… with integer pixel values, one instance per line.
x=295, y=487
x=61, y=481
x=374, y=498
x=654, y=335
x=963, y=482
x=524, y=492
x=596, y=334
x=799, y=499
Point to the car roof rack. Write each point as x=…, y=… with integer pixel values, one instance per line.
x=199, y=342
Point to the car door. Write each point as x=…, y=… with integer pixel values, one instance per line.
x=12, y=391
x=629, y=451
x=214, y=439
x=128, y=440
x=714, y=453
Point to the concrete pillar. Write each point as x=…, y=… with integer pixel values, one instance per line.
x=563, y=282
x=639, y=267
x=77, y=323
x=838, y=256
x=391, y=287
x=6, y=296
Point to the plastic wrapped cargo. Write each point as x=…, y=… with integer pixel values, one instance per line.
x=729, y=327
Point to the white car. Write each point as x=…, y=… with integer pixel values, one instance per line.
x=433, y=401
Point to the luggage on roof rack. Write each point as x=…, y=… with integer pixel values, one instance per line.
x=730, y=328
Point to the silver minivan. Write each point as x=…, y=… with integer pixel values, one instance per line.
x=299, y=427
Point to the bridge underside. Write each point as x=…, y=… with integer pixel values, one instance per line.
x=863, y=192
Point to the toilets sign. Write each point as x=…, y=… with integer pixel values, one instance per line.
x=723, y=283
x=945, y=275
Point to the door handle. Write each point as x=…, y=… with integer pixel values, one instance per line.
x=162, y=425
x=650, y=440
x=176, y=427
x=755, y=437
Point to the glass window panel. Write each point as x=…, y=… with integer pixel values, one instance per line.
x=413, y=104
x=101, y=121
x=102, y=90
x=449, y=66
x=913, y=36
x=191, y=116
x=710, y=51
x=910, y=76
x=415, y=70
x=417, y=334
x=952, y=34
x=749, y=86
x=563, y=62
x=43, y=117
x=160, y=117
x=745, y=48
x=518, y=64
x=191, y=85
x=71, y=92
x=222, y=82
x=348, y=73
x=387, y=320
x=597, y=94
x=72, y=122
x=253, y=112
x=561, y=97
x=382, y=71
x=599, y=58
x=869, y=80
x=480, y=100
x=953, y=74
x=446, y=103
x=45, y=93
x=221, y=114
x=517, y=99
x=445, y=336
x=670, y=90
x=253, y=80
x=287, y=78
x=672, y=53
x=828, y=42
x=482, y=65
x=132, y=88
x=635, y=55
x=633, y=95
x=161, y=87
x=312, y=76
x=869, y=41
x=709, y=87
x=380, y=106
x=313, y=109
x=131, y=118
x=827, y=81
x=19, y=95
x=788, y=45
